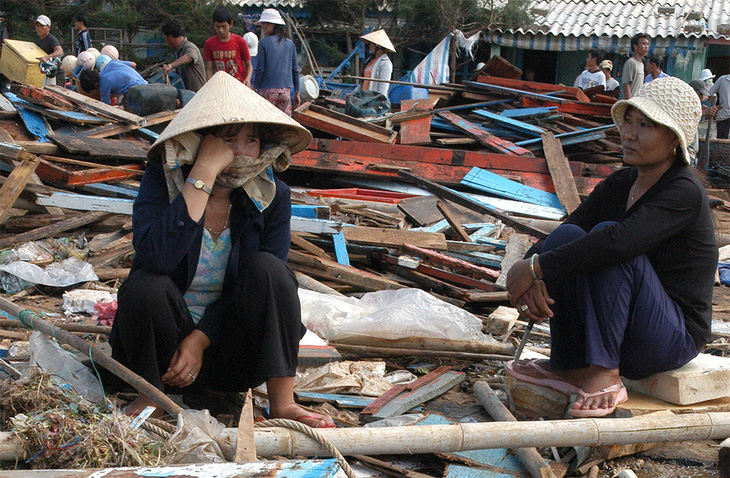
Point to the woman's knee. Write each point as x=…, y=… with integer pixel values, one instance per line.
x=265, y=272
x=563, y=234
x=602, y=225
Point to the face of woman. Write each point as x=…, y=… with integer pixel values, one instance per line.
x=267, y=28
x=645, y=143
x=246, y=142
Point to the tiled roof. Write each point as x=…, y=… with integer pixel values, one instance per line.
x=624, y=18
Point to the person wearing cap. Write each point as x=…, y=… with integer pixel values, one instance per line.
x=632, y=76
x=706, y=77
x=626, y=281
x=83, y=39
x=227, y=51
x=188, y=60
x=612, y=85
x=210, y=302
x=252, y=41
x=592, y=76
x=277, y=70
x=115, y=79
x=47, y=42
x=654, y=67
x=721, y=89
x=378, y=65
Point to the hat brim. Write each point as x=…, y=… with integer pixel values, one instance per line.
x=225, y=100
x=655, y=113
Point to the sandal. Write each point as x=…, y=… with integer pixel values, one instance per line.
x=621, y=396
x=328, y=421
x=546, y=378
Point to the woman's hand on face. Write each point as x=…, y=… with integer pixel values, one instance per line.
x=535, y=303
x=215, y=154
x=187, y=360
x=519, y=280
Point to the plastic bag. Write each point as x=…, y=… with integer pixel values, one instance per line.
x=68, y=373
x=366, y=103
x=395, y=314
x=61, y=274
x=198, y=439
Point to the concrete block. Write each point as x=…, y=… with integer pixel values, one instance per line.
x=501, y=320
x=706, y=377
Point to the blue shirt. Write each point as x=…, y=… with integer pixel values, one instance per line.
x=83, y=41
x=117, y=78
x=276, y=64
x=649, y=77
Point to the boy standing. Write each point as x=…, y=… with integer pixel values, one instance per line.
x=227, y=51
x=632, y=76
x=83, y=39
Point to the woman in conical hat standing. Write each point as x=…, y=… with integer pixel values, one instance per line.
x=210, y=302
x=378, y=65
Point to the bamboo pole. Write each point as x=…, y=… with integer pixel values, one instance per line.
x=534, y=463
x=407, y=83
x=89, y=329
x=472, y=436
x=31, y=320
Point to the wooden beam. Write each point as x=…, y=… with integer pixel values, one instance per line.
x=115, y=129
x=328, y=269
x=98, y=106
x=52, y=230
x=485, y=138
x=393, y=237
x=342, y=125
x=14, y=185
x=565, y=187
x=453, y=222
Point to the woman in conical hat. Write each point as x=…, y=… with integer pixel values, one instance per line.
x=378, y=64
x=210, y=303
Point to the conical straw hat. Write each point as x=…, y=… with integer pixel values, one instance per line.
x=380, y=38
x=225, y=100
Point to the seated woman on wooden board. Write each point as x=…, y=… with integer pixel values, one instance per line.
x=626, y=282
x=210, y=301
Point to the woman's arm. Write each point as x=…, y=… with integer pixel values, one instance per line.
x=258, y=78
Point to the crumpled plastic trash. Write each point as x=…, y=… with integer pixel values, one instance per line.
x=59, y=274
x=198, y=439
x=361, y=377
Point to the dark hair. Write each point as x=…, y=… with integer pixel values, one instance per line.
x=172, y=27
x=89, y=79
x=655, y=60
x=281, y=31
x=635, y=39
x=83, y=19
x=222, y=14
x=597, y=54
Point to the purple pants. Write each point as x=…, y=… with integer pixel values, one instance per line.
x=619, y=317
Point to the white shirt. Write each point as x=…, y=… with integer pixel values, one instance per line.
x=589, y=80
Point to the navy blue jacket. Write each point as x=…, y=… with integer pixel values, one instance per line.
x=167, y=241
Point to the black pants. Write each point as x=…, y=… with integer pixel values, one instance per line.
x=723, y=129
x=261, y=329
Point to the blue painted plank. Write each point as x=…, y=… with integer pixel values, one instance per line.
x=477, y=105
x=496, y=185
x=440, y=226
x=461, y=471
x=523, y=112
x=311, y=211
x=592, y=133
x=35, y=123
x=511, y=123
x=352, y=401
x=479, y=258
x=149, y=133
x=111, y=190
x=341, y=248
x=308, y=469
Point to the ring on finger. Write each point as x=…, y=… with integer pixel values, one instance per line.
x=191, y=376
x=523, y=307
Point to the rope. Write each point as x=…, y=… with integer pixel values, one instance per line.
x=157, y=430
x=314, y=435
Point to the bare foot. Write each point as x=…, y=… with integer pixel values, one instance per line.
x=140, y=403
x=595, y=379
x=292, y=411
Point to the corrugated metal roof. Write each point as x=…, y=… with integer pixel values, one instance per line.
x=269, y=3
x=624, y=18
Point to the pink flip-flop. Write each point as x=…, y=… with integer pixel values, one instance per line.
x=621, y=396
x=546, y=378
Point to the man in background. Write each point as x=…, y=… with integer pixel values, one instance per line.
x=83, y=39
x=227, y=51
x=47, y=42
x=632, y=76
x=188, y=61
x=592, y=75
x=612, y=84
x=654, y=68
x=721, y=89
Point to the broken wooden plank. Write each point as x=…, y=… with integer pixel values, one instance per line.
x=497, y=185
x=341, y=124
x=113, y=252
x=115, y=129
x=511, y=123
x=102, y=148
x=63, y=177
x=14, y=185
x=565, y=187
x=54, y=229
x=393, y=237
x=453, y=222
x=81, y=202
x=442, y=275
x=41, y=96
x=443, y=259
x=96, y=105
x=483, y=137
x=34, y=122
x=517, y=247
x=568, y=92
x=573, y=107
x=418, y=130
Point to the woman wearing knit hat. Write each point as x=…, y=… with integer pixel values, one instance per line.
x=210, y=303
x=277, y=70
x=626, y=282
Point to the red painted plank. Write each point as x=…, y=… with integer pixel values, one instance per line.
x=534, y=87
x=487, y=139
x=577, y=108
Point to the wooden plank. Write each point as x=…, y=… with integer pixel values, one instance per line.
x=417, y=130
x=298, y=240
x=102, y=148
x=497, y=185
x=442, y=274
x=511, y=123
x=115, y=129
x=41, y=96
x=315, y=226
x=453, y=222
x=517, y=246
x=396, y=390
x=341, y=400
x=393, y=237
x=536, y=87
x=501, y=68
x=80, y=202
x=60, y=176
x=74, y=117
x=96, y=105
x=113, y=252
x=579, y=108
x=341, y=248
x=35, y=147
x=481, y=87
x=35, y=123
x=565, y=187
x=14, y=185
x=341, y=124
x=453, y=263
x=54, y=229
x=483, y=137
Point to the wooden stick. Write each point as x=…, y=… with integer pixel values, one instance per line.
x=49, y=231
x=245, y=443
x=535, y=464
x=90, y=329
x=453, y=222
x=33, y=321
x=90, y=164
x=14, y=185
x=400, y=352
x=407, y=83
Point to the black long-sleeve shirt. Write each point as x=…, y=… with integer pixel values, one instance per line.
x=671, y=223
